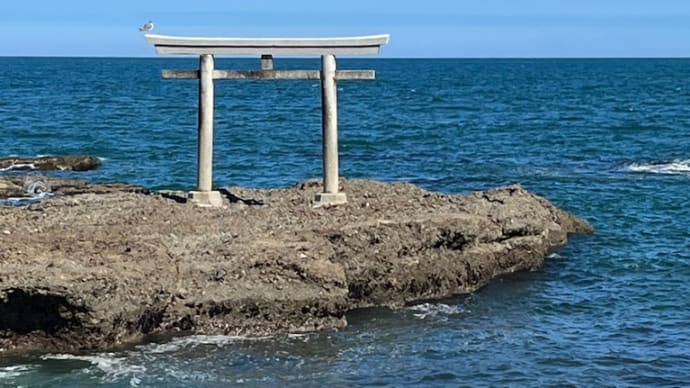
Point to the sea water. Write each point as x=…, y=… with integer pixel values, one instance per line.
x=608, y=140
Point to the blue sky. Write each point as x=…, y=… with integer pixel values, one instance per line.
x=424, y=28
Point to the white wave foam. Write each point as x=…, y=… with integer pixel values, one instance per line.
x=25, y=201
x=115, y=368
x=19, y=167
x=426, y=310
x=31, y=166
x=193, y=341
x=36, y=188
x=10, y=372
x=673, y=167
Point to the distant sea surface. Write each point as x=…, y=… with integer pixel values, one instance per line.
x=608, y=140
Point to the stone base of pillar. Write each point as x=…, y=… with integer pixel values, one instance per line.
x=330, y=199
x=206, y=198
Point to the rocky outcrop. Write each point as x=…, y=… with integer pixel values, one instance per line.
x=92, y=271
x=63, y=163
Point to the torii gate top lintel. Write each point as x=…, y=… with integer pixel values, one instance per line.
x=327, y=48
x=357, y=45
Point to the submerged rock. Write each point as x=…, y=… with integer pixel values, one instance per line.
x=63, y=163
x=92, y=271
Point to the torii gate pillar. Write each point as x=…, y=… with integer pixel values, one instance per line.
x=205, y=196
x=331, y=194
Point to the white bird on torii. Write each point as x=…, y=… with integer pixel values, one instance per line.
x=148, y=27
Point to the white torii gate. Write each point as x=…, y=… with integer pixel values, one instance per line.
x=327, y=48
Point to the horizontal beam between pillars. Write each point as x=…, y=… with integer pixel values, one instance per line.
x=271, y=74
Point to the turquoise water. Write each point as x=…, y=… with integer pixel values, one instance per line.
x=606, y=139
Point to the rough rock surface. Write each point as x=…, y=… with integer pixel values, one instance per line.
x=65, y=163
x=93, y=271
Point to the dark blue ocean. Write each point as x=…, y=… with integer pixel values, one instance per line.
x=608, y=140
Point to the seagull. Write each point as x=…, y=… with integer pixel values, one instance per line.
x=148, y=27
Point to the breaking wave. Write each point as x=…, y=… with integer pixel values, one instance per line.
x=192, y=342
x=433, y=310
x=10, y=372
x=25, y=201
x=113, y=367
x=19, y=167
x=673, y=167
x=36, y=190
x=135, y=367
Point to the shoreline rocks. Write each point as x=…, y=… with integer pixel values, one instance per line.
x=46, y=163
x=106, y=266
